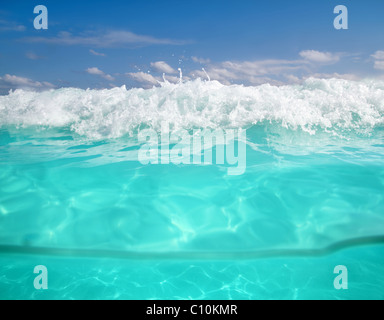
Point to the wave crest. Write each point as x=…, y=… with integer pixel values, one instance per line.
x=329, y=105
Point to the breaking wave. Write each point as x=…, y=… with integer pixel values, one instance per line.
x=331, y=105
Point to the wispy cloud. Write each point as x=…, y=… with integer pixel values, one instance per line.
x=309, y=63
x=379, y=60
x=144, y=78
x=253, y=72
x=11, y=26
x=275, y=71
x=379, y=65
x=116, y=38
x=33, y=56
x=201, y=60
x=98, y=72
x=379, y=55
x=15, y=82
x=335, y=75
x=93, y=52
x=147, y=80
x=320, y=57
x=161, y=66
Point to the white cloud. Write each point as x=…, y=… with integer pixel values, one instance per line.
x=201, y=60
x=98, y=72
x=378, y=55
x=379, y=60
x=162, y=66
x=253, y=72
x=97, y=53
x=12, y=82
x=143, y=77
x=292, y=79
x=320, y=57
x=222, y=75
x=11, y=26
x=273, y=71
x=345, y=76
x=379, y=65
x=32, y=56
x=263, y=67
x=174, y=79
x=109, y=39
x=148, y=81
x=19, y=28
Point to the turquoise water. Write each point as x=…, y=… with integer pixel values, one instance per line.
x=75, y=198
x=280, y=278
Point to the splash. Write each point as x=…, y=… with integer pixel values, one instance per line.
x=315, y=106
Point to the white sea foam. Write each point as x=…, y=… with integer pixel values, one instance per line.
x=326, y=105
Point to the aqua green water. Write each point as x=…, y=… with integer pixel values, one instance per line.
x=74, y=197
x=288, y=278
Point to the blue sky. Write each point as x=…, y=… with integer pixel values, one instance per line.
x=102, y=44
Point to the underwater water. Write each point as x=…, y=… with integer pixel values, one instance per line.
x=75, y=198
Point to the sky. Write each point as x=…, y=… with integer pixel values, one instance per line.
x=103, y=44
